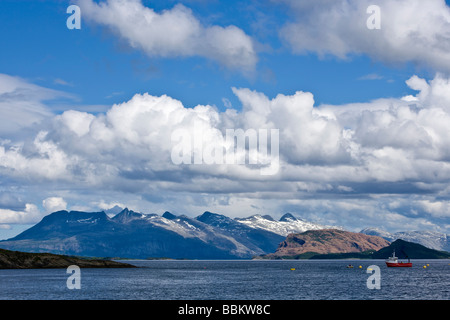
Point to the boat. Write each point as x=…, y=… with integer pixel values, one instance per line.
x=393, y=262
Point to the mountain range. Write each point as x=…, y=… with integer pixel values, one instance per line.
x=130, y=234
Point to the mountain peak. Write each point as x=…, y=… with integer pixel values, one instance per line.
x=215, y=219
x=69, y=222
x=288, y=217
x=126, y=216
x=209, y=215
x=169, y=216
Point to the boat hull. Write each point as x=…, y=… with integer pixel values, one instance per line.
x=399, y=264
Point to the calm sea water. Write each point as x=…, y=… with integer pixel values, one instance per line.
x=230, y=280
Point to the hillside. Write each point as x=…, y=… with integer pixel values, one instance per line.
x=404, y=249
x=327, y=241
x=24, y=260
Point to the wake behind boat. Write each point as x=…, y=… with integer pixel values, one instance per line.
x=393, y=262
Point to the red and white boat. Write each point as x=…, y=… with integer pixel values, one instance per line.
x=393, y=262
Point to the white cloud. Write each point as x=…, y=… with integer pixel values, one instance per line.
x=46, y=161
x=21, y=104
x=172, y=33
x=30, y=214
x=53, y=204
x=433, y=93
x=436, y=208
x=76, y=121
x=306, y=136
x=411, y=30
x=387, y=140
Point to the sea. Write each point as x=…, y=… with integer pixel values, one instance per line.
x=234, y=280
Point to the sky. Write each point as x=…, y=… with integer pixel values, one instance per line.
x=98, y=116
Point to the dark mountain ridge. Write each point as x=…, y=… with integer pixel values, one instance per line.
x=404, y=250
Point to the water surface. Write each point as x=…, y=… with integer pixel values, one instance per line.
x=230, y=280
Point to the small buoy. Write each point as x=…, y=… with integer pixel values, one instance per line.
x=292, y=269
x=360, y=267
x=428, y=265
x=424, y=267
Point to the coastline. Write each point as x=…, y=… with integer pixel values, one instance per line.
x=27, y=260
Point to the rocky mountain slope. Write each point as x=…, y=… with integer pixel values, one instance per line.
x=326, y=241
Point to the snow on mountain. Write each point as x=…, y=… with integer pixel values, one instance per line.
x=430, y=239
x=378, y=232
x=214, y=229
x=255, y=239
x=286, y=225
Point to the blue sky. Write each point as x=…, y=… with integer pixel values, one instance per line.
x=371, y=150
x=100, y=69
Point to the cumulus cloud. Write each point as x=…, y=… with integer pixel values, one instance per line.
x=418, y=126
x=30, y=214
x=385, y=140
x=306, y=136
x=172, y=33
x=436, y=208
x=43, y=159
x=53, y=204
x=411, y=31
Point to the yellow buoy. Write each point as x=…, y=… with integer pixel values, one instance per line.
x=428, y=265
x=360, y=267
x=292, y=269
x=424, y=267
